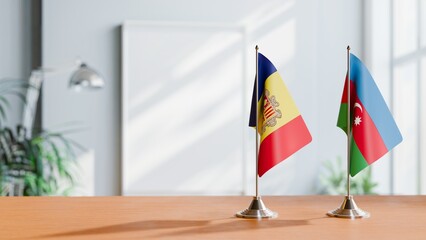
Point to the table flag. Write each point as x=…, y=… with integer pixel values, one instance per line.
x=374, y=131
x=281, y=127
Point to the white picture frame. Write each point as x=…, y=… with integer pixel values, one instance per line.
x=183, y=100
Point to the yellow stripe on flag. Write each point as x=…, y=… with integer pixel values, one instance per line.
x=276, y=87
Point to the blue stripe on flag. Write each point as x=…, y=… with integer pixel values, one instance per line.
x=370, y=96
x=265, y=69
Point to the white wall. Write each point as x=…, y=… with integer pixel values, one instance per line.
x=378, y=57
x=309, y=52
x=395, y=53
x=15, y=47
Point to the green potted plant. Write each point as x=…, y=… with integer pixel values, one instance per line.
x=33, y=166
x=333, y=180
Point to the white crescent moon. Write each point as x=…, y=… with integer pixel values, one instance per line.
x=358, y=105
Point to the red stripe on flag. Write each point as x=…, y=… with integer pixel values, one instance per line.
x=268, y=110
x=282, y=143
x=345, y=91
x=269, y=114
x=366, y=135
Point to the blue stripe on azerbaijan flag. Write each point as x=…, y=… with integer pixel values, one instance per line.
x=374, y=131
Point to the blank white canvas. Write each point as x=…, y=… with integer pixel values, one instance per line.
x=182, y=109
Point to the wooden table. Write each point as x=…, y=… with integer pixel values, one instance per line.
x=301, y=217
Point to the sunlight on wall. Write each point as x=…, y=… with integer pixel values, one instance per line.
x=208, y=50
x=405, y=37
x=188, y=89
x=395, y=53
x=265, y=13
x=280, y=44
x=405, y=104
x=197, y=94
x=187, y=107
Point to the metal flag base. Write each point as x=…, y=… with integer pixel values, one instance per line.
x=348, y=209
x=257, y=209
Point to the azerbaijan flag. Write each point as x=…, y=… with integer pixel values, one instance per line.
x=374, y=131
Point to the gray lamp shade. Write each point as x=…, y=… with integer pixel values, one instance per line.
x=86, y=78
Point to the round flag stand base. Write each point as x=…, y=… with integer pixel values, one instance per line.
x=256, y=209
x=348, y=209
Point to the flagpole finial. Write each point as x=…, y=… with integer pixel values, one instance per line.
x=349, y=48
x=257, y=47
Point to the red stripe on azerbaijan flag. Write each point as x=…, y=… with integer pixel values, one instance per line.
x=345, y=91
x=366, y=135
x=282, y=143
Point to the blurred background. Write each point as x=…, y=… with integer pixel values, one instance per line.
x=172, y=116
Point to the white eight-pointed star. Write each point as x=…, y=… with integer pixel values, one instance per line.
x=357, y=120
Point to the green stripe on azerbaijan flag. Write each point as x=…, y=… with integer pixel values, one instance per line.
x=358, y=162
x=341, y=119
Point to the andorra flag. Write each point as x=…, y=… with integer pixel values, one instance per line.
x=281, y=127
x=374, y=131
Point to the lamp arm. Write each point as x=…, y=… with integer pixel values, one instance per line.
x=33, y=93
x=84, y=76
x=32, y=96
x=57, y=70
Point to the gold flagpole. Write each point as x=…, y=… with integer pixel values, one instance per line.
x=257, y=208
x=348, y=209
